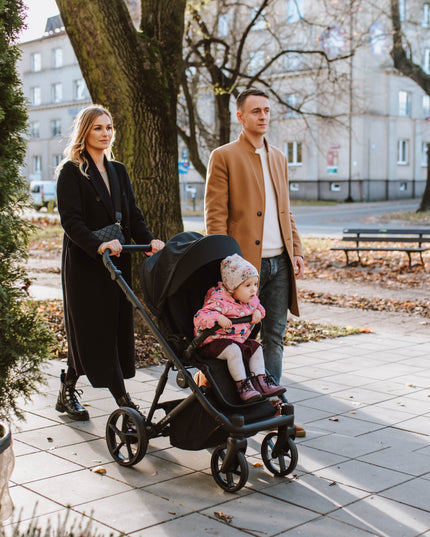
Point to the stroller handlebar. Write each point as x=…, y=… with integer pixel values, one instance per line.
x=126, y=248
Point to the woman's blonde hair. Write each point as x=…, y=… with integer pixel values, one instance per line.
x=82, y=124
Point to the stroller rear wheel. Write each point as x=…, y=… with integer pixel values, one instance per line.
x=233, y=478
x=280, y=460
x=126, y=436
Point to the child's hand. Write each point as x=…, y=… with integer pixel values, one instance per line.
x=224, y=322
x=256, y=317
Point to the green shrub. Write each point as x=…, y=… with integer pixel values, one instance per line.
x=24, y=338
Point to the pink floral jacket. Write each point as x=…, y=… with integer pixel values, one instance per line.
x=218, y=300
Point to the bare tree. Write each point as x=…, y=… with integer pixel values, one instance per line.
x=229, y=46
x=403, y=57
x=136, y=74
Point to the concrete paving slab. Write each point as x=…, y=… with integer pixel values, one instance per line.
x=377, y=453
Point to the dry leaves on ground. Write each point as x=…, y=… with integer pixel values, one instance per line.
x=388, y=269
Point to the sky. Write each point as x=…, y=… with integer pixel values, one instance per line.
x=37, y=13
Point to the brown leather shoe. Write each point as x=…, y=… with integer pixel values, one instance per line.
x=300, y=432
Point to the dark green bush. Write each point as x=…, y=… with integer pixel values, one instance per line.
x=24, y=338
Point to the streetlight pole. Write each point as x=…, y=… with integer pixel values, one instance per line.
x=351, y=35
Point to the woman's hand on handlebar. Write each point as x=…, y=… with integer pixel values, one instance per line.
x=114, y=246
x=156, y=246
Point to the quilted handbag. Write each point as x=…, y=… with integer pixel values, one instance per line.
x=109, y=233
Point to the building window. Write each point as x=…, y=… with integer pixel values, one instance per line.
x=403, y=11
x=260, y=22
x=404, y=106
x=36, y=62
x=426, y=61
x=426, y=106
x=424, y=156
x=79, y=88
x=223, y=25
x=290, y=109
x=293, y=151
x=57, y=58
x=37, y=164
x=35, y=96
x=402, y=151
x=256, y=62
x=56, y=159
x=35, y=130
x=425, y=23
x=57, y=92
x=55, y=128
x=295, y=10
x=292, y=61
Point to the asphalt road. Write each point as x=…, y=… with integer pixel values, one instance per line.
x=329, y=220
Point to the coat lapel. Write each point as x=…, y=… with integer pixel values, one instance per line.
x=256, y=169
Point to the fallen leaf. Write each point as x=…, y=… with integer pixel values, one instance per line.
x=333, y=419
x=99, y=470
x=50, y=439
x=257, y=464
x=222, y=516
x=332, y=484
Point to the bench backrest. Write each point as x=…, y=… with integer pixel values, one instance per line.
x=419, y=235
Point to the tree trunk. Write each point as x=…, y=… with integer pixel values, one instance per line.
x=135, y=74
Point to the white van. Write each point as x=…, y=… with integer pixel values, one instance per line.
x=42, y=192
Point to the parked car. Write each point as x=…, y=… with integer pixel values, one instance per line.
x=42, y=192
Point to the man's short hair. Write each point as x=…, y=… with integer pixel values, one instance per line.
x=246, y=93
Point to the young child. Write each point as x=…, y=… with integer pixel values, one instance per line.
x=236, y=296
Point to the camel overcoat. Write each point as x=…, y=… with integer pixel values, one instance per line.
x=235, y=201
x=98, y=318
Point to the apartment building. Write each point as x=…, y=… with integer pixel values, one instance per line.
x=55, y=91
x=376, y=152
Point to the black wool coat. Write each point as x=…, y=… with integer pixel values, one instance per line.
x=98, y=317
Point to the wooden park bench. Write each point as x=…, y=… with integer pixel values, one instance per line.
x=410, y=240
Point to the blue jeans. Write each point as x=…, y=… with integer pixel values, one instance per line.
x=275, y=277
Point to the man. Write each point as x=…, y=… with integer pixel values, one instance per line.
x=247, y=197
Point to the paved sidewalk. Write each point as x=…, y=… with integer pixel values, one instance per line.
x=364, y=466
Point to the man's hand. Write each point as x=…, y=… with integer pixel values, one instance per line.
x=298, y=266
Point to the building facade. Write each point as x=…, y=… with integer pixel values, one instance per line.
x=55, y=91
x=376, y=151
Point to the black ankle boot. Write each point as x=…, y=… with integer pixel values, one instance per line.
x=125, y=400
x=68, y=401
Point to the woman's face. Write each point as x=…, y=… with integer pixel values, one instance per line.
x=100, y=135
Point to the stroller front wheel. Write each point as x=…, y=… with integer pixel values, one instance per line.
x=233, y=478
x=126, y=436
x=280, y=460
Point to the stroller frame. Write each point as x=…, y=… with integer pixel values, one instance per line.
x=128, y=431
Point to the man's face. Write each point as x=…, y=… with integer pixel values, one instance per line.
x=254, y=115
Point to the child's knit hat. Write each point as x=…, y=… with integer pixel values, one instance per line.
x=235, y=270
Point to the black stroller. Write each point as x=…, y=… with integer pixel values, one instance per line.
x=175, y=281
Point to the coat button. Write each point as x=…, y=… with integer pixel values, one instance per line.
x=257, y=242
x=259, y=213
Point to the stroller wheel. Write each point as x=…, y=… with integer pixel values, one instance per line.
x=279, y=460
x=126, y=436
x=233, y=478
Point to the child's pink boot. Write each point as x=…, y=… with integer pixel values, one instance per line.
x=265, y=385
x=246, y=391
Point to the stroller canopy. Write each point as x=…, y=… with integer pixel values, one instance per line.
x=167, y=271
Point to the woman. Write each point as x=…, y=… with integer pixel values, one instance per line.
x=98, y=317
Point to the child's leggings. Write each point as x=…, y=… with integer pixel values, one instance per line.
x=236, y=367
